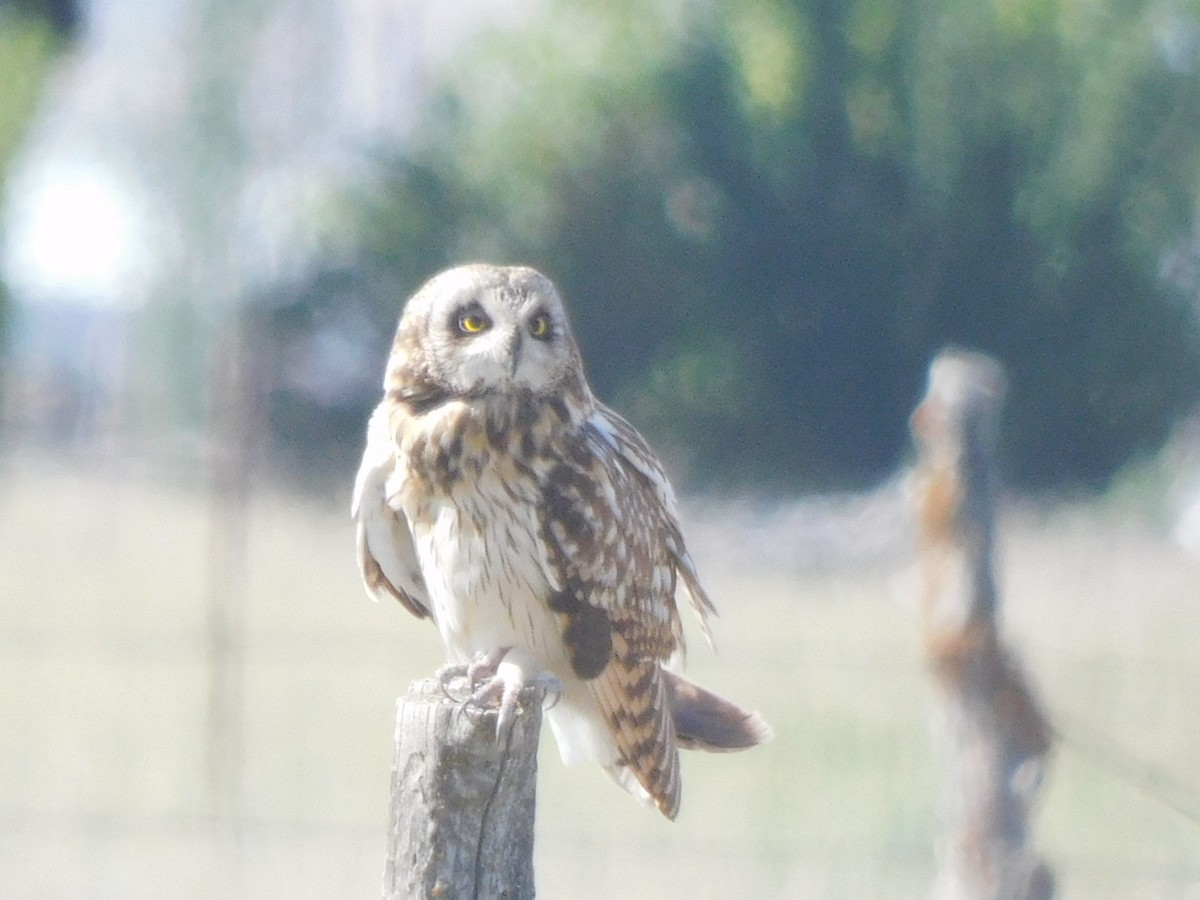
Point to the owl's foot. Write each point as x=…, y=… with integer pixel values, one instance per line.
x=504, y=679
x=485, y=666
x=482, y=668
x=511, y=688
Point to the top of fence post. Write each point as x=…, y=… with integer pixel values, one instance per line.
x=463, y=799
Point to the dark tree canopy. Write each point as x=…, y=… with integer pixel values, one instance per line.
x=767, y=217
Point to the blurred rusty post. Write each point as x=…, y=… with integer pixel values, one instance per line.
x=994, y=736
x=463, y=799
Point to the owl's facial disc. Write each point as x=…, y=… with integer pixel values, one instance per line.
x=500, y=339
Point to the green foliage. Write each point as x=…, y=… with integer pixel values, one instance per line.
x=27, y=45
x=767, y=216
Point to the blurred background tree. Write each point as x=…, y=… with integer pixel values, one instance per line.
x=768, y=215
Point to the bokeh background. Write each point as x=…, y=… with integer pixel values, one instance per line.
x=766, y=216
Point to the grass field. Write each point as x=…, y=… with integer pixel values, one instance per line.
x=111, y=785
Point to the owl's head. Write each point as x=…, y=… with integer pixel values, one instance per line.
x=483, y=329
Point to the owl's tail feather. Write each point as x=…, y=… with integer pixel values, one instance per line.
x=704, y=721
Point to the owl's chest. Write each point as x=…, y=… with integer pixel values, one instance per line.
x=472, y=507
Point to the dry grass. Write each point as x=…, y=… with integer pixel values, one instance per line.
x=105, y=788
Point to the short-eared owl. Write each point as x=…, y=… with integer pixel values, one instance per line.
x=536, y=528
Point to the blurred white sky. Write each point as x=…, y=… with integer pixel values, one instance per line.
x=76, y=233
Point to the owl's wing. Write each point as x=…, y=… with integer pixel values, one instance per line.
x=636, y=454
x=387, y=558
x=612, y=550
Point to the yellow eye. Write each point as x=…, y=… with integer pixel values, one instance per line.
x=473, y=323
x=539, y=326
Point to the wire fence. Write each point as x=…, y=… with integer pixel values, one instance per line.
x=108, y=665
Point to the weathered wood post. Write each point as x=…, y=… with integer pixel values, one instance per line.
x=462, y=809
x=995, y=738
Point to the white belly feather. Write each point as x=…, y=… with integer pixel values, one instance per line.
x=483, y=571
x=485, y=582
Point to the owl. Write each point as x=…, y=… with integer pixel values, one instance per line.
x=536, y=529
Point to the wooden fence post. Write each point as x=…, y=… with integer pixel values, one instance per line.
x=994, y=736
x=462, y=808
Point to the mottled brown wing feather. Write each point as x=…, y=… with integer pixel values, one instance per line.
x=638, y=456
x=608, y=541
x=632, y=694
x=602, y=533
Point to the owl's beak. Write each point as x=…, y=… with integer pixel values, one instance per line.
x=515, y=346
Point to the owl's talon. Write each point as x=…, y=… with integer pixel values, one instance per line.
x=480, y=670
x=484, y=664
x=447, y=675
x=552, y=690
x=516, y=695
x=486, y=693
x=510, y=702
x=510, y=689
